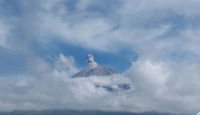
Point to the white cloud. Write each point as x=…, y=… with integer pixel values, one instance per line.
x=162, y=86
x=65, y=65
x=125, y=27
x=4, y=32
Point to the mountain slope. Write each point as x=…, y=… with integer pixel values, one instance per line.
x=99, y=70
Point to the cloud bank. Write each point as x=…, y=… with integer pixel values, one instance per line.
x=155, y=86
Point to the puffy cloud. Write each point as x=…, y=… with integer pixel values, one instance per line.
x=65, y=64
x=155, y=86
x=45, y=89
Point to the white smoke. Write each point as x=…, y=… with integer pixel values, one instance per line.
x=90, y=61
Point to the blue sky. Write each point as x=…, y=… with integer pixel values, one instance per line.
x=154, y=45
x=20, y=32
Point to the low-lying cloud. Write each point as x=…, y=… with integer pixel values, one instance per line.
x=155, y=86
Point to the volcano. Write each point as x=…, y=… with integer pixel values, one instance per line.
x=94, y=69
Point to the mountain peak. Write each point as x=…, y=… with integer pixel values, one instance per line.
x=94, y=69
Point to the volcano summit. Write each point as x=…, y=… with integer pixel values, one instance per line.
x=94, y=69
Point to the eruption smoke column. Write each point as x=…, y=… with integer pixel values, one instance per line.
x=90, y=61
